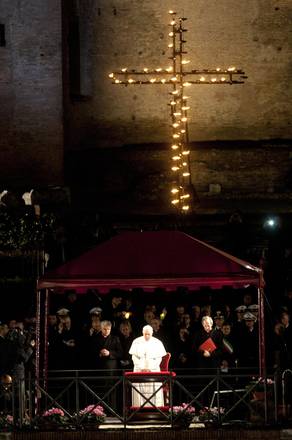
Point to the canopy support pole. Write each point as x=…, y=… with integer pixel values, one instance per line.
x=45, y=366
x=262, y=349
x=37, y=350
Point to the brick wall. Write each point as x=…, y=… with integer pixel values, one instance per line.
x=254, y=35
x=254, y=176
x=31, y=132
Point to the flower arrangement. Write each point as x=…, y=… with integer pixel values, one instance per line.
x=258, y=384
x=208, y=414
x=183, y=414
x=6, y=422
x=260, y=387
x=54, y=415
x=92, y=414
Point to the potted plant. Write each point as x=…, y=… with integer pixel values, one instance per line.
x=53, y=418
x=182, y=415
x=91, y=416
x=261, y=399
x=211, y=415
x=6, y=422
x=258, y=387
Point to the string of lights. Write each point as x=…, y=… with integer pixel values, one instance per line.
x=179, y=80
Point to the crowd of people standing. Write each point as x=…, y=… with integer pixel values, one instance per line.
x=76, y=335
x=94, y=332
x=75, y=331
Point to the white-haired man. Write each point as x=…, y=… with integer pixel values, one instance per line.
x=147, y=352
x=207, y=345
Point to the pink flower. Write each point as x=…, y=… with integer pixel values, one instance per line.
x=93, y=409
x=9, y=419
x=188, y=408
x=53, y=412
x=215, y=411
x=211, y=413
x=269, y=381
x=184, y=409
x=93, y=412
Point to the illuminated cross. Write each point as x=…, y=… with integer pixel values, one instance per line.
x=179, y=79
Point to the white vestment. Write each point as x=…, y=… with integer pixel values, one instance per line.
x=147, y=355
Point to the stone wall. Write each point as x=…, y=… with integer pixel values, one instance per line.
x=125, y=130
x=31, y=128
x=254, y=35
x=252, y=176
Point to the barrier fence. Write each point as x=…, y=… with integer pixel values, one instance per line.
x=211, y=399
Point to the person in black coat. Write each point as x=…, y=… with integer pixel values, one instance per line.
x=63, y=343
x=181, y=349
x=108, y=350
x=7, y=352
x=207, y=357
x=248, y=342
x=207, y=349
x=126, y=337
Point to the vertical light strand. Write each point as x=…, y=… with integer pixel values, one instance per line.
x=175, y=122
x=186, y=171
x=180, y=153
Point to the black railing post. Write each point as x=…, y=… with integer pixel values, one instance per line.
x=265, y=398
x=21, y=397
x=284, y=403
x=13, y=404
x=276, y=397
x=77, y=393
x=124, y=401
x=171, y=384
x=218, y=393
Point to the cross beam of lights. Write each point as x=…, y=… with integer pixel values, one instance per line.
x=179, y=79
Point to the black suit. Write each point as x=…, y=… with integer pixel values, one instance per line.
x=214, y=360
x=113, y=345
x=109, y=363
x=207, y=365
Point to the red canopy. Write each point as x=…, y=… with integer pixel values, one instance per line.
x=166, y=259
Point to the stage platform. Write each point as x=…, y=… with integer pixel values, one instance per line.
x=116, y=431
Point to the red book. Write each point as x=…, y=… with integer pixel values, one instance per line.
x=208, y=345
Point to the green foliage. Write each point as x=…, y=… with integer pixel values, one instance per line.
x=25, y=231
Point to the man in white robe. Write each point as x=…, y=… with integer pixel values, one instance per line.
x=147, y=352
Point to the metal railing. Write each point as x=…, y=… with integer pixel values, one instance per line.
x=286, y=392
x=217, y=398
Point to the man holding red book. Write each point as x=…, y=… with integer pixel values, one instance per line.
x=207, y=345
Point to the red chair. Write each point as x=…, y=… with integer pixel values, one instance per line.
x=165, y=362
